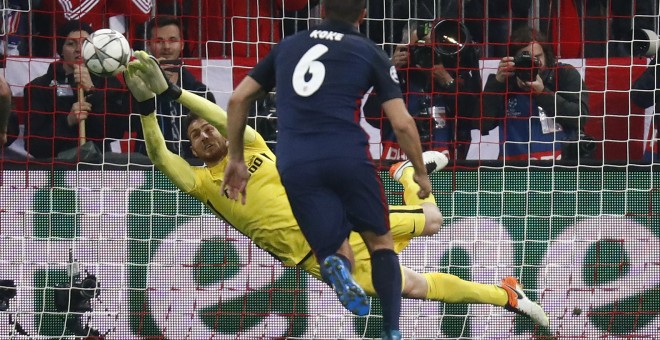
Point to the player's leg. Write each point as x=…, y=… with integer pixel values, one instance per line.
x=320, y=215
x=403, y=172
x=449, y=288
x=386, y=278
x=366, y=208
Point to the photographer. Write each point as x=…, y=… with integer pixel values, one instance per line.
x=539, y=103
x=441, y=86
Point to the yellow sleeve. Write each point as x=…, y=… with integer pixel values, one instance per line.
x=173, y=166
x=212, y=113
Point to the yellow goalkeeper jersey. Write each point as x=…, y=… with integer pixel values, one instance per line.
x=266, y=218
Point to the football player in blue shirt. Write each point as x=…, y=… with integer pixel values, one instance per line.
x=323, y=153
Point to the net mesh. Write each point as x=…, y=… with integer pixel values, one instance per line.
x=581, y=237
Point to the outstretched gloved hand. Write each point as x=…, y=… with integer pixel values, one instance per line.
x=148, y=69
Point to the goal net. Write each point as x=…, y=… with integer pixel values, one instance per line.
x=112, y=249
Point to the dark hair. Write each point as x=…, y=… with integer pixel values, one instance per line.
x=67, y=28
x=162, y=21
x=524, y=36
x=189, y=119
x=344, y=10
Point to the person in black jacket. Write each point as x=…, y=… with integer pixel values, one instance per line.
x=55, y=110
x=644, y=93
x=539, y=108
x=165, y=41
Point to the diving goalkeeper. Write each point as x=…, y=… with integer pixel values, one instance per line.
x=267, y=218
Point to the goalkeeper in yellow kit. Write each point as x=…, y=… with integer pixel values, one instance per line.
x=266, y=218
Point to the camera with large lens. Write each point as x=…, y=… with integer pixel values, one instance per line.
x=641, y=43
x=451, y=40
x=421, y=55
x=526, y=66
x=74, y=298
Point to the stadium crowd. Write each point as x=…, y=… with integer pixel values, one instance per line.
x=459, y=93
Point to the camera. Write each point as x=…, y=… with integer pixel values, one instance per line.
x=641, y=43
x=7, y=292
x=421, y=55
x=583, y=148
x=586, y=146
x=74, y=298
x=450, y=39
x=526, y=66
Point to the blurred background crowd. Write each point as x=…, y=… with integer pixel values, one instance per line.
x=509, y=80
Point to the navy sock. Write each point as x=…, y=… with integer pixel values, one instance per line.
x=386, y=277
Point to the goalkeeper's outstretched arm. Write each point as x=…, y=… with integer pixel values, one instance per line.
x=172, y=165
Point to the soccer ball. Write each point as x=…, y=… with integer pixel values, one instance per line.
x=106, y=52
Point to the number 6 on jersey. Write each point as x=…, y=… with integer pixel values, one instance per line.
x=309, y=64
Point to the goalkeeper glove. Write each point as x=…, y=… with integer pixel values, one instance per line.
x=154, y=77
x=140, y=91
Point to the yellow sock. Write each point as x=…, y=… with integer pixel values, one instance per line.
x=452, y=289
x=410, y=188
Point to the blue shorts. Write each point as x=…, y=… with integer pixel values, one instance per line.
x=329, y=198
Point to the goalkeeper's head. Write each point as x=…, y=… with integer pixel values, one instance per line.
x=350, y=11
x=206, y=142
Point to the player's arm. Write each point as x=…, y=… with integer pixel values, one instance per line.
x=5, y=109
x=173, y=166
x=406, y=132
x=236, y=174
x=388, y=90
x=260, y=80
x=247, y=91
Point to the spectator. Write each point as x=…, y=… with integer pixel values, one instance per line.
x=165, y=42
x=535, y=115
x=646, y=90
x=55, y=108
x=435, y=85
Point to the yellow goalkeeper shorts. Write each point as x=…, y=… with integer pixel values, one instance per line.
x=406, y=222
